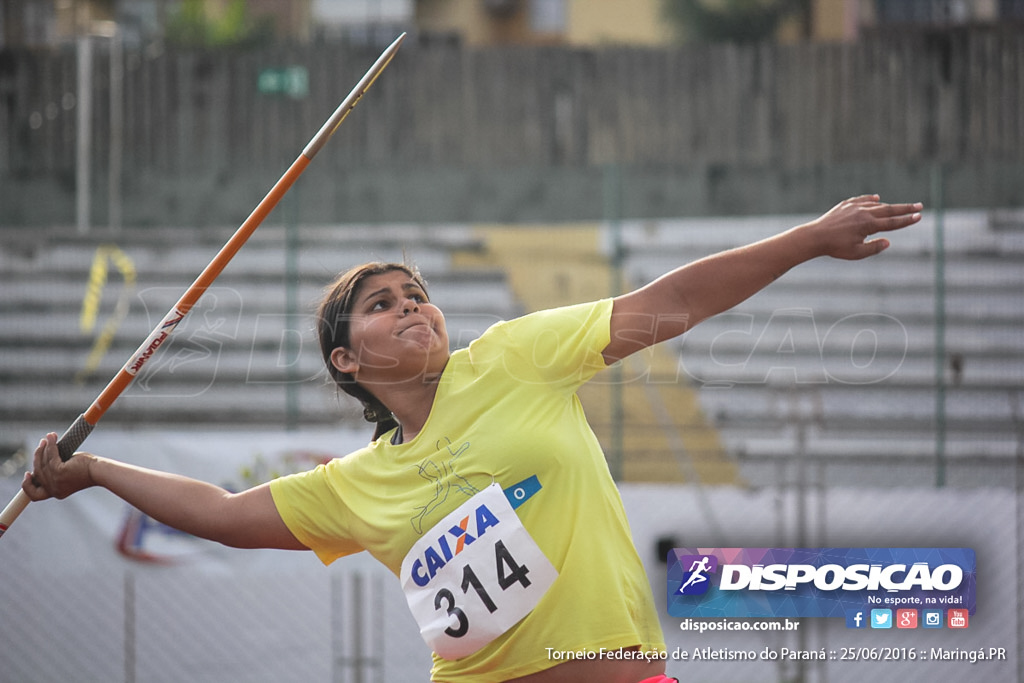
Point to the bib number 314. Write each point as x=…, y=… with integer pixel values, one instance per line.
x=474, y=575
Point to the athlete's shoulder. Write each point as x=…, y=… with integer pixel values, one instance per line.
x=569, y=317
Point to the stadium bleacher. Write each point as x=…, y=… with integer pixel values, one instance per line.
x=837, y=361
x=246, y=354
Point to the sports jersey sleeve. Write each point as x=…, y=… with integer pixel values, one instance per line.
x=558, y=346
x=314, y=512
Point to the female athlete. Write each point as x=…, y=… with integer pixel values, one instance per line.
x=484, y=489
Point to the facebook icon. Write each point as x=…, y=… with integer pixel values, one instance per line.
x=856, y=618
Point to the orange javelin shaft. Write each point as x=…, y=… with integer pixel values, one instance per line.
x=166, y=327
x=83, y=426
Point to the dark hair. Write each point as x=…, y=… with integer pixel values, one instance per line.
x=333, y=317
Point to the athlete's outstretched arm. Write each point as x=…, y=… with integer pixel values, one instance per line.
x=244, y=520
x=677, y=301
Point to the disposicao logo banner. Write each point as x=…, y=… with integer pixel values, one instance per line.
x=817, y=582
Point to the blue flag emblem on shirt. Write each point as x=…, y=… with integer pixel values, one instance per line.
x=518, y=494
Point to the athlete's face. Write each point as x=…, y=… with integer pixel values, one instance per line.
x=395, y=333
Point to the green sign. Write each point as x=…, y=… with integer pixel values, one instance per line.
x=292, y=81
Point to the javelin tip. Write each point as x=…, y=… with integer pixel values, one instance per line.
x=320, y=139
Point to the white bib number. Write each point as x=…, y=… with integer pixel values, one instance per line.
x=474, y=575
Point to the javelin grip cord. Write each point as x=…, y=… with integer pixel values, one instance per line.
x=71, y=439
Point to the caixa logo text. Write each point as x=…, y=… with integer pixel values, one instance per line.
x=830, y=577
x=451, y=543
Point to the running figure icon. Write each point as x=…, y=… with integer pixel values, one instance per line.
x=697, y=573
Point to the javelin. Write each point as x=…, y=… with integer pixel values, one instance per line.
x=83, y=426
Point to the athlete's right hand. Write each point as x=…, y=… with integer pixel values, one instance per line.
x=52, y=477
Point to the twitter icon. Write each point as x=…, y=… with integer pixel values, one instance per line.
x=881, y=618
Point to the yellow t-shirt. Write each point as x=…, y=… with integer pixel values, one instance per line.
x=505, y=411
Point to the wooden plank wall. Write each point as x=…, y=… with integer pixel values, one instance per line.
x=953, y=98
